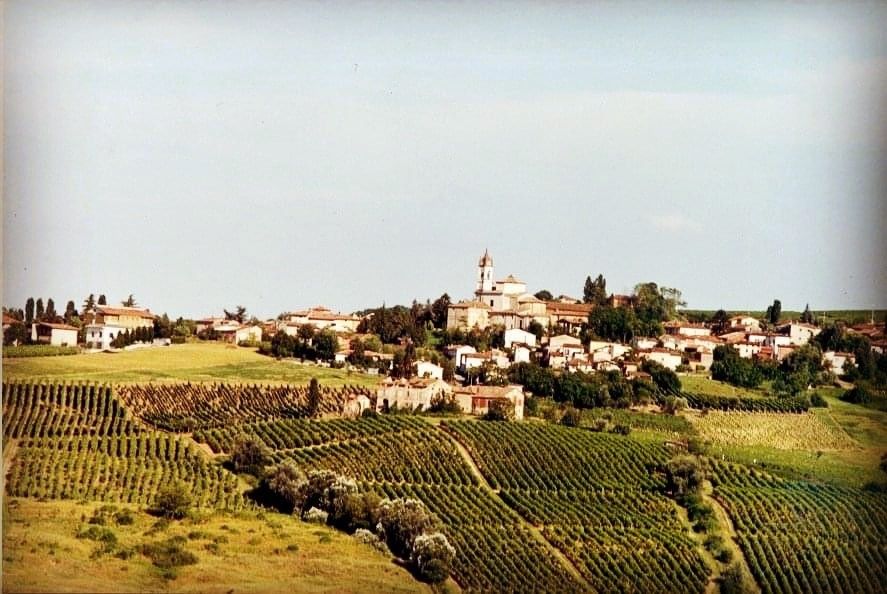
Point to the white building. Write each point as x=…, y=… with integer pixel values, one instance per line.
x=321, y=318
x=799, y=333
x=54, y=334
x=429, y=369
x=100, y=336
x=355, y=405
x=520, y=354
x=664, y=357
x=835, y=361
x=749, y=323
x=516, y=335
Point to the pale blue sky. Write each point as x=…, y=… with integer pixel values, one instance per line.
x=278, y=155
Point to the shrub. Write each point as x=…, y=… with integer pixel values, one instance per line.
x=250, y=454
x=498, y=411
x=124, y=518
x=571, y=417
x=817, y=401
x=621, y=429
x=402, y=521
x=168, y=553
x=684, y=475
x=173, y=501
x=433, y=555
x=674, y=404
x=316, y=516
x=734, y=581
x=857, y=395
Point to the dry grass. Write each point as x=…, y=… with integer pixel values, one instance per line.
x=276, y=554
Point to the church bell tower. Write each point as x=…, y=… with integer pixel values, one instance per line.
x=485, y=274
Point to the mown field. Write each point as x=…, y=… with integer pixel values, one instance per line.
x=195, y=362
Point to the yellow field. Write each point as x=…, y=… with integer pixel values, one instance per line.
x=189, y=362
x=278, y=553
x=807, y=431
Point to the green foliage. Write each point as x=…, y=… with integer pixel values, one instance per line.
x=666, y=380
x=595, y=291
x=250, y=455
x=535, y=379
x=544, y=295
x=729, y=367
x=173, y=500
x=613, y=323
x=402, y=522
x=499, y=411
x=572, y=417
x=168, y=554
x=684, y=475
x=735, y=581
x=38, y=350
x=774, y=311
x=433, y=555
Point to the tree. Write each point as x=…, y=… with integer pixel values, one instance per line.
x=613, y=323
x=325, y=345
x=288, y=482
x=665, y=379
x=238, y=315
x=70, y=312
x=720, y=321
x=89, y=303
x=29, y=311
x=729, y=367
x=439, y=310
x=402, y=521
x=595, y=291
x=536, y=329
x=103, y=300
x=314, y=398
x=774, y=312
x=807, y=316
x=40, y=312
x=249, y=454
x=544, y=295
x=432, y=556
x=408, y=360
x=173, y=500
x=684, y=475
x=572, y=417
x=499, y=410
x=50, y=315
x=130, y=301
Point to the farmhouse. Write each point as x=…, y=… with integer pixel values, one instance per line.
x=321, y=318
x=835, y=361
x=799, y=333
x=516, y=335
x=665, y=357
x=128, y=318
x=54, y=334
x=410, y=394
x=428, y=369
x=476, y=400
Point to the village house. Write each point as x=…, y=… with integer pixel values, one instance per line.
x=645, y=343
x=468, y=314
x=207, y=323
x=747, y=323
x=835, y=361
x=516, y=335
x=476, y=400
x=747, y=350
x=687, y=329
x=410, y=394
x=321, y=318
x=520, y=353
x=666, y=358
x=105, y=323
x=54, y=334
x=429, y=369
x=799, y=333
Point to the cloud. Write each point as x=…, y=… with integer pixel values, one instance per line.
x=673, y=222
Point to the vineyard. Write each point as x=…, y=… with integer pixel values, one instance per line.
x=665, y=423
x=32, y=409
x=286, y=434
x=183, y=407
x=806, y=431
x=795, y=404
x=595, y=497
x=77, y=441
x=405, y=456
x=806, y=537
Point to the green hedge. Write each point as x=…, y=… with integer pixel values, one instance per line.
x=38, y=350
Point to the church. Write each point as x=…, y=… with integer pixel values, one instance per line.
x=507, y=303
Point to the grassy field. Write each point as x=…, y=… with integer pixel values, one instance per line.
x=244, y=553
x=700, y=384
x=186, y=362
x=814, y=430
x=842, y=444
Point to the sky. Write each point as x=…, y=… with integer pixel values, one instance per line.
x=201, y=155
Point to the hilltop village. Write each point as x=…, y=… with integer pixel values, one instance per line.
x=498, y=347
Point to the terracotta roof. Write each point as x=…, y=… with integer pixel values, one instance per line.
x=124, y=311
x=56, y=326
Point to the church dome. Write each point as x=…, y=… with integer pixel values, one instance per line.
x=486, y=259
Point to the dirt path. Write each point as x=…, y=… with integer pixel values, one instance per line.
x=8, y=456
x=534, y=530
x=728, y=531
